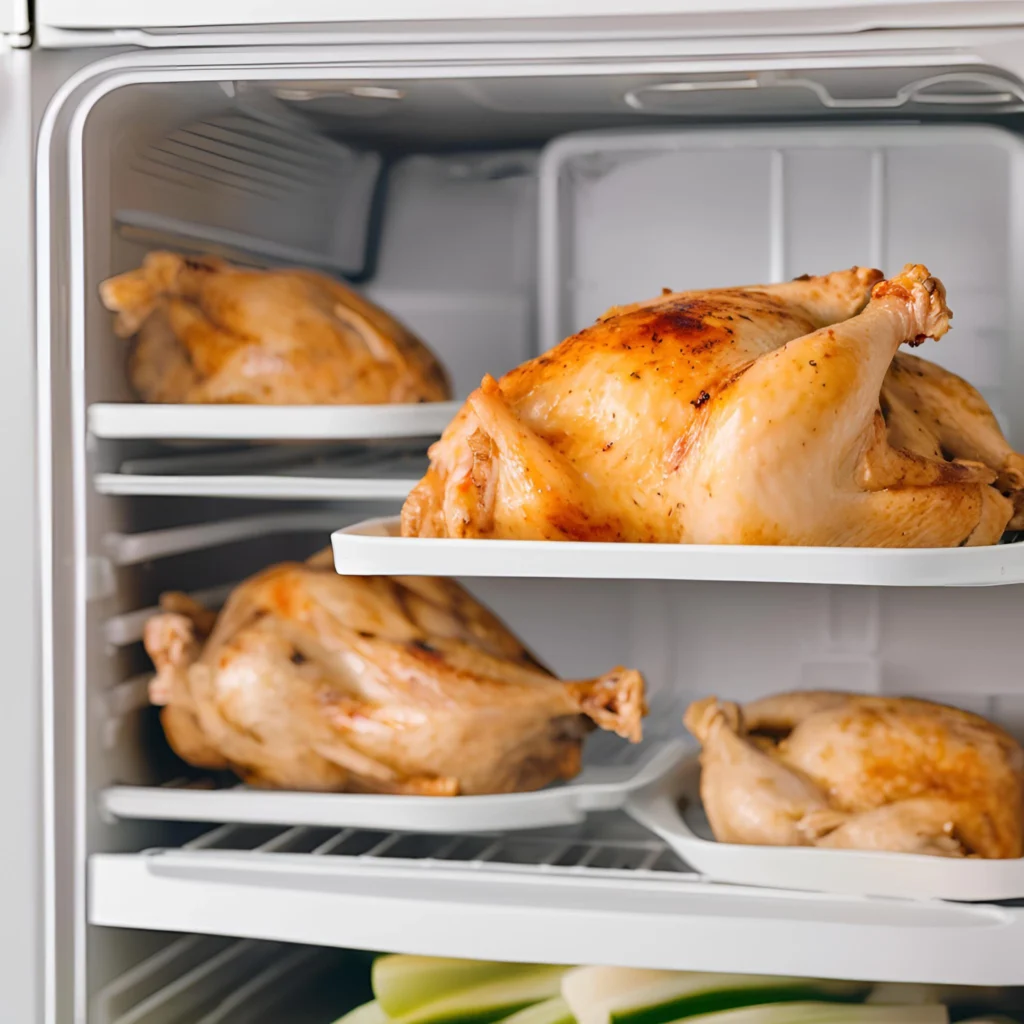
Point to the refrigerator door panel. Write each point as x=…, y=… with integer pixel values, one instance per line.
x=94, y=20
x=14, y=19
x=21, y=896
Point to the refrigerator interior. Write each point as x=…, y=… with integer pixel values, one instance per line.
x=422, y=187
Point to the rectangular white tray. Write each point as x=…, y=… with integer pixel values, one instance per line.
x=671, y=808
x=603, y=785
x=372, y=548
x=269, y=422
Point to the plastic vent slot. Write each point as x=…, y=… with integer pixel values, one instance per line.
x=194, y=186
x=207, y=980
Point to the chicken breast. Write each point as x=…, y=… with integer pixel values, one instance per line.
x=776, y=414
x=860, y=772
x=209, y=332
x=311, y=680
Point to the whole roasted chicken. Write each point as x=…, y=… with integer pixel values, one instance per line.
x=310, y=680
x=855, y=772
x=777, y=414
x=207, y=331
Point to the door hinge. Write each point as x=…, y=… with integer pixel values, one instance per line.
x=15, y=41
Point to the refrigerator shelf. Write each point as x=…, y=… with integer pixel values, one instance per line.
x=365, y=472
x=134, y=548
x=280, y=488
x=123, y=420
x=601, y=892
x=373, y=547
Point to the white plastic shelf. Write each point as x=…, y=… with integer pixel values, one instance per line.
x=123, y=420
x=363, y=475
x=373, y=547
x=132, y=548
x=602, y=893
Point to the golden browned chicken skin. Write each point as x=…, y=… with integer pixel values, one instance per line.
x=310, y=680
x=206, y=331
x=838, y=770
x=778, y=414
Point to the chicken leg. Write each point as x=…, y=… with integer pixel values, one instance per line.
x=748, y=796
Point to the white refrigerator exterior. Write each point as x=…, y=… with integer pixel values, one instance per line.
x=76, y=874
x=14, y=21
x=22, y=931
x=192, y=22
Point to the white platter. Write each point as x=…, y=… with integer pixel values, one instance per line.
x=278, y=422
x=603, y=785
x=670, y=807
x=373, y=547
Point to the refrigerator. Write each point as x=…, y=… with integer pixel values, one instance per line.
x=496, y=175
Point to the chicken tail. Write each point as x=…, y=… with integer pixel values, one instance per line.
x=614, y=701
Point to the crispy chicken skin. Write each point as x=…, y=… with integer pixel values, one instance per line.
x=854, y=772
x=209, y=332
x=778, y=414
x=315, y=681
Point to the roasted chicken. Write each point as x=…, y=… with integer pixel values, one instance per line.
x=310, y=680
x=780, y=414
x=853, y=772
x=207, y=331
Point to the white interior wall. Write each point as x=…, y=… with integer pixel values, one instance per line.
x=457, y=261
x=696, y=210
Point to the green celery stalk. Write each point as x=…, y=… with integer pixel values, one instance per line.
x=624, y=995
x=437, y=990
x=551, y=1011
x=368, y=1013
x=827, y=1013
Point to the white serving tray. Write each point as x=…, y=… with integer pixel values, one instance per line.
x=119, y=420
x=373, y=547
x=599, y=787
x=670, y=807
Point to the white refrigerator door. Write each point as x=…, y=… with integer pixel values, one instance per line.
x=94, y=20
x=21, y=880
x=13, y=17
